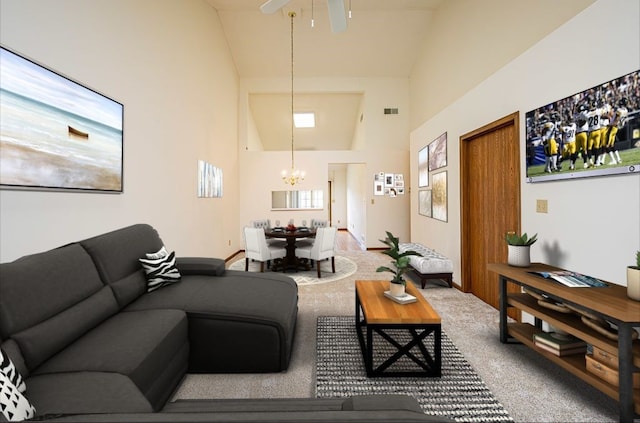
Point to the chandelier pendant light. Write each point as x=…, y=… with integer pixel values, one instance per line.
x=295, y=176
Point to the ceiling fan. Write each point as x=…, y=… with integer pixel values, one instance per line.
x=337, y=16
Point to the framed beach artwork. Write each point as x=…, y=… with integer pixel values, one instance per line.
x=438, y=152
x=424, y=203
x=55, y=133
x=439, y=196
x=423, y=167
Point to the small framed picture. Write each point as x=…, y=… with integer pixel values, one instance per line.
x=389, y=179
x=378, y=187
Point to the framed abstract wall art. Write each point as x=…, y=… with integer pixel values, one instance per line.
x=423, y=167
x=439, y=196
x=209, y=180
x=424, y=203
x=438, y=152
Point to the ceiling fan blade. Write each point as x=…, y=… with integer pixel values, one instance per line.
x=337, y=16
x=272, y=6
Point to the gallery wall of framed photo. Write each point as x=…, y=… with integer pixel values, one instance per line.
x=388, y=184
x=432, y=158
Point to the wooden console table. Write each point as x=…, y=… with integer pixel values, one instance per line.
x=610, y=303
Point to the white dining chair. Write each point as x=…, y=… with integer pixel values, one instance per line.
x=266, y=225
x=256, y=248
x=323, y=247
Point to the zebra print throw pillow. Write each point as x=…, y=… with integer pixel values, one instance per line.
x=161, y=271
x=13, y=404
x=8, y=369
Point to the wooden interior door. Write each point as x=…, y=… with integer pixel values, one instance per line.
x=490, y=178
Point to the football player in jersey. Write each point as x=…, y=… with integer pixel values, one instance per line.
x=593, y=146
x=605, y=123
x=548, y=131
x=582, y=131
x=569, y=149
x=618, y=121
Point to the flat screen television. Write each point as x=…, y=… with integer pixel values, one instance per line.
x=55, y=133
x=595, y=132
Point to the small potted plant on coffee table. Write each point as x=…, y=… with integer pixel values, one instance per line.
x=400, y=264
x=519, y=249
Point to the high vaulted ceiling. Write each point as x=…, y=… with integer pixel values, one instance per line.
x=383, y=39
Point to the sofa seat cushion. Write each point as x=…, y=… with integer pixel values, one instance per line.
x=247, y=312
x=142, y=346
x=86, y=392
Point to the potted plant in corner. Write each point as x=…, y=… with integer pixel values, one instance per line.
x=400, y=264
x=519, y=248
x=633, y=279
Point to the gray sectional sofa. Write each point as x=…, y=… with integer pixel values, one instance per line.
x=94, y=345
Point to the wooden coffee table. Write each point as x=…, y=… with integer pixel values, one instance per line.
x=383, y=316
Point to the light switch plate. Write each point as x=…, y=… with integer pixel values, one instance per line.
x=541, y=206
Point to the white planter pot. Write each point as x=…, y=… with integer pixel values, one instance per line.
x=633, y=283
x=519, y=255
x=397, y=289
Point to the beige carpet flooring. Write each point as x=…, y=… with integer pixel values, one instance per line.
x=531, y=388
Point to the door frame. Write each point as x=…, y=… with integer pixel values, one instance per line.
x=511, y=119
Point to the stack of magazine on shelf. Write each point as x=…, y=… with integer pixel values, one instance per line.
x=559, y=344
x=572, y=279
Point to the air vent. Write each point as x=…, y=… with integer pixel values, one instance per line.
x=391, y=111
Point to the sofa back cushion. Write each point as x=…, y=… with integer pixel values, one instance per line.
x=50, y=299
x=116, y=255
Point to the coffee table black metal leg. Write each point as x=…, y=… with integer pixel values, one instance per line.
x=431, y=365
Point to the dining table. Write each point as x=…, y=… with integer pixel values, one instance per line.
x=291, y=261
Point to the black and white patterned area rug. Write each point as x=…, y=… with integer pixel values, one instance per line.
x=459, y=394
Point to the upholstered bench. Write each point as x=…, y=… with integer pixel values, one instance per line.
x=430, y=265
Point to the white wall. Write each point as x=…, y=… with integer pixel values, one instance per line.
x=468, y=40
x=168, y=62
x=593, y=224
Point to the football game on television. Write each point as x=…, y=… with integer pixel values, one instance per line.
x=56, y=134
x=592, y=133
